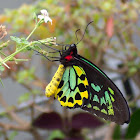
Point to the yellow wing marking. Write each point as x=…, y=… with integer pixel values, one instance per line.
x=67, y=93
x=53, y=85
x=78, y=70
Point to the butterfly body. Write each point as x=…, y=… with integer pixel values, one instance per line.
x=53, y=85
x=84, y=85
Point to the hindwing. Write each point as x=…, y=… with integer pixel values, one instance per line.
x=73, y=90
x=106, y=100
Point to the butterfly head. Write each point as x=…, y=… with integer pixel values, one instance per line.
x=68, y=54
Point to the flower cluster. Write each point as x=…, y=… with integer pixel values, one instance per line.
x=45, y=16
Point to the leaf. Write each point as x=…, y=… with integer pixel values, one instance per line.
x=49, y=121
x=132, y=71
x=12, y=135
x=134, y=126
x=2, y=68
x=1, y=82
x=16, y=39
x=25, y=75
x=75, y=138
x=85, y=120
x=117, y=133
x=35, y=17
x=56, y=135
x=24, y=97
x=20, y=41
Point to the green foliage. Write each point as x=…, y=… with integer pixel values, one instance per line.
x=2, y=68
x=19, y=41
x=26, y=75
x=117, y=133
x=13, y=135
x=1, y=82
x=56, y=134
x=24, y=97
x=134, y=126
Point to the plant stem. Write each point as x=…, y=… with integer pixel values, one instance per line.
x=2, y=53
x=13, y=54
x=34, y=29
x=19, y=50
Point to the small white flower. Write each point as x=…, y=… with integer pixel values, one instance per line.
x=45, y=16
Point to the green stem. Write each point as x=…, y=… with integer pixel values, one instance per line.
x=19, y=50
x=1, y=82
x=18, y=60
x=3, y=53
x=34, y=29
x=13, y=54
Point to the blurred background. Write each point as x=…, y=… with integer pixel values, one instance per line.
x=111, y=42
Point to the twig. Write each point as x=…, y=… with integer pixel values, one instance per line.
x=12, y=113
x=131, y=103
x=115, y=56
x=26, y=105
x=35, y=134
x=7, y=126
x=110, y=131
x=121, y=71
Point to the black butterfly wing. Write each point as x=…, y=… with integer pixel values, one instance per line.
x=106, y=100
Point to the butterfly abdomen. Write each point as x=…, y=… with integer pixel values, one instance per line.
x=53, y=85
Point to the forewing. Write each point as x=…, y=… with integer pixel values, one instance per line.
x=73, y=90
x=106, y=100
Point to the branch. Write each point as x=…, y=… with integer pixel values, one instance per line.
x=8, y=126
x=26, y=105
x=12, y=113
x=108, y=136
x=120, y=71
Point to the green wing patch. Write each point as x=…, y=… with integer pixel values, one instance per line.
x=101, y=102
x=73, y=90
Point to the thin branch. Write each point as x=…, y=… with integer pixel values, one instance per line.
x=7, y=126
x=121, y=71
x=12, y=113
x=108, y=136
x=115, y=56
x=133, y=102
x=26, y=105
x=35, y=134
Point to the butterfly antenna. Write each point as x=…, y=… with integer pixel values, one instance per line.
x=76, y=33
x=84, y=33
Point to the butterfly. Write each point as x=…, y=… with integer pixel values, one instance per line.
x=78, y=83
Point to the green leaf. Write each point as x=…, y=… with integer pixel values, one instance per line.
x=12, y=135
x=35, y=17
x=26, y=75
x=117, y=133
x=16, y=39
x=36, y=92
x=134, y=126
x=20, y=42
x=1, y=82
x=132, y=71
x=56, y=134
x=24, y=97
x=2, y=68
